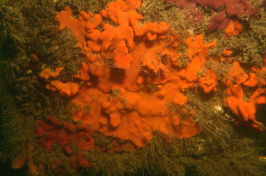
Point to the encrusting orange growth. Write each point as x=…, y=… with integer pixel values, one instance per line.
x=65, y=89
x=235, y=75
x=53, y=131
x=125, y=59
x=197, y=53
x=132, y=78
x=245, y=110
x=179, y=99
x=23, y=158
x=227, y=52
x=208, y=81
x=83, y=72
x=79, y=27
x=131, y=86
x=234, y=27
x=252, y=81
x=113, y=42
x=260, y=74
x=48, y=73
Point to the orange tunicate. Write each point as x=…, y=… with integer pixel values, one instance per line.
x=188, y=129
x=139, y=80
x=258, y=97
x=252, y=81
x=152, y=61
x=121, y=37
x=208, y=81
x=47, y=132
x=151, y=36
x=33, y=168
x=176, y=120
x=23, y=158
x=65, y=89
x=179, y=99
x=115, y=119
x=235, y=75
x=227, y=52
x=18, y=162
x=93, y=42
x=133, y=4
x=261, y=73
x=68, y=150
x=85, y=145
x=83, y=72
x=244, y=110
x=150, y=28
x=90, y=57
x=79, y=27
x=197, y=47
x=48, y=73
x=197, y=53
x=112, y=42
x=234, y=28
x=134, y=75
x=133, y=115
x=82, y=162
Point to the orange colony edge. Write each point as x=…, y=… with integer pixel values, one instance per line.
x=197, y=53
x=48, y=130
x=123, y=59
x=245, y=111
x=234, y=27
x=236, y=79
x=65, y=89
x=227, y=52
x=83, y=72
x=48, y=73
x=131, y=87
x=235, y=75
x=260, y=74
x=208, y=81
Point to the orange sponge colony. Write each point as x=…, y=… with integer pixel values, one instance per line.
x=48, y=73
x=113, y=42
x=197, y=53
x=65, y=89
x=125, y=59
x=234, y=27
x=208, y=81
x=132, y=76
x=245, y=110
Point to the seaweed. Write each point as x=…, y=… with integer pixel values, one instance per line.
x=257, y=25
x=94, y=6
x=115, y=164
x=102, y=141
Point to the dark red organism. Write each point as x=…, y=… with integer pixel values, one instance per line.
x=52, y=131
x=219, y=21
x=231, y=8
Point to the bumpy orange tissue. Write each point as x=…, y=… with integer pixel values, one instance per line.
x=65, y=89
x=234, y=28
x=208, y=81
x=133, y=73
x=245, y=110
x=48, y=73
